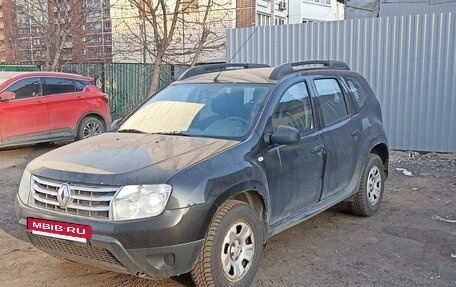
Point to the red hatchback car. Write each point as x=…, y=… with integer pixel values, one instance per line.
x=48, y=106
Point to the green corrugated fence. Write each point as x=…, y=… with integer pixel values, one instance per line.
x=19, y=68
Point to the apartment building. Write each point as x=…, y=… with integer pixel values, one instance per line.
x=97, y=33
x=5, y=32
x=279, y=12
x=79, y=31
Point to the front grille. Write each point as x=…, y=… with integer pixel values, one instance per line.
x=87, y=201
x=68, y=248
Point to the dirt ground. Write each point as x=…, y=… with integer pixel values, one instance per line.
x=410, y=242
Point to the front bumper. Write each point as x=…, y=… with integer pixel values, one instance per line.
x=158, y=247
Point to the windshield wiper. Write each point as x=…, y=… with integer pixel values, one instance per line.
x=133, y=131
x=173, y=133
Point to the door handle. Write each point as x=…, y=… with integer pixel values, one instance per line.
x=319, y=148
x=355, y=134
x=39, y=102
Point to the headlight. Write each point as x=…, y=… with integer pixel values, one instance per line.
x=24, y=186
x=139, y=201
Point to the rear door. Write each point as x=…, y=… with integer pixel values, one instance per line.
x=25, y=118
x=66, y=105
x=340, y=134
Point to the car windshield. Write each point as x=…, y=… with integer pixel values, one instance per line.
x=207, y=110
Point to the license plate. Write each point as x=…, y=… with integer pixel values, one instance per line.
x=62, y=230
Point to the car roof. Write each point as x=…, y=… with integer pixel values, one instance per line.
x=42, y=74
x=254, y=75
x=257, y=73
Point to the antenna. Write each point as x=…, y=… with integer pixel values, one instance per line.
x=238, y=50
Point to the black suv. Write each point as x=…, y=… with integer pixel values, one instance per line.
x=201, y=174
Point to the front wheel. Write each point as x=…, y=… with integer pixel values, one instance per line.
x=367, y=200
x=89, y=127
x=232, y=248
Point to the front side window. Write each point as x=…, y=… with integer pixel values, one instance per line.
x=26, y=88
x=294, y=109
x=332, y=101
x=207, y=110
x=58, y=86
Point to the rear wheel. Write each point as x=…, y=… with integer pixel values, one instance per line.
x=89, y=127
x=232, y=248
x=370, y=193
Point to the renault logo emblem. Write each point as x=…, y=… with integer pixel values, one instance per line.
x=63, y=195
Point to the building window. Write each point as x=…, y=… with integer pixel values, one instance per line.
x=95, y=52
x=263, y=19
x=307, y=21
x=97, y=39
x=279, y=21
x=324, y=2
x=107, y=26
x=96, y=26
x=94, y=14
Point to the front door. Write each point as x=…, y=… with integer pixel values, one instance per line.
x=26, y=117
x=294, y=172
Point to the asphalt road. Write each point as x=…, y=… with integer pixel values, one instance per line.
x=410, y=242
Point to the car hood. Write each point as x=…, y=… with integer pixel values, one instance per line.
x=125, y=158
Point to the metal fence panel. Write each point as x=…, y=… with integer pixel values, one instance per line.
x=410, y=62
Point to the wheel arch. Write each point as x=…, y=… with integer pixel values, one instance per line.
x=381, y=149
x=90, y=114
x=252, y=193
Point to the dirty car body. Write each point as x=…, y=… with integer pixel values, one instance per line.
x=286, y=143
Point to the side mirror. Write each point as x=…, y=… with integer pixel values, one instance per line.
x=283, y=135
x=115, y=123
x=6, y=96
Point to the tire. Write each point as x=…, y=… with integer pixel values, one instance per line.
x=367, y=200
x=219, y=263
x=90, y=126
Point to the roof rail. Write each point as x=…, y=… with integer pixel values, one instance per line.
x=288, y=68
x=204, y=69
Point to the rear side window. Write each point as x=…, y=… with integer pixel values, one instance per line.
x=26, y=88
x=58, y=86
x=80, y=85
x=332, y=101
x=357, y=90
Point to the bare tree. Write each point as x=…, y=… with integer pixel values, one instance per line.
x=54, y=23
x=178, y=31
